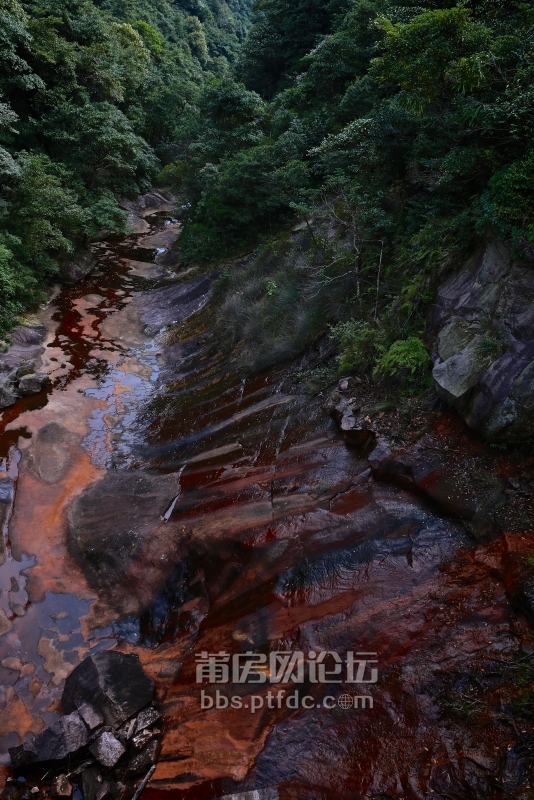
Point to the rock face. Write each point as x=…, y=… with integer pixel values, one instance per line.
x=482, y=333
x=114, y=683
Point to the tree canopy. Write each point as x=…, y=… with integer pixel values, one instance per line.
x=92, y=98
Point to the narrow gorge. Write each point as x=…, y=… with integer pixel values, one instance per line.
x=266, y=400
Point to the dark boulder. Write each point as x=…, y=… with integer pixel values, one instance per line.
x=54, y=743
x=62, y=787
x=357, y=420
x=142, y=761
x=113, y=683
x=26, y=368
x=146, y=718
x=94, y=786
x=72, y=272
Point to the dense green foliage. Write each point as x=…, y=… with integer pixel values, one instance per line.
x=93, y=95
x=399, y=136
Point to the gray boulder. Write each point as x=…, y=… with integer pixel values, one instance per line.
x=7, y=396
x=25, y=369
x=107, y=749
x=32, y=384
x=482, y=336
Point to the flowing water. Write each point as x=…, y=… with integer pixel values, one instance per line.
x=167, y=506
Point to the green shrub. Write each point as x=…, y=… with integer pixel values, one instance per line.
x=359, y=344
x=405, y=360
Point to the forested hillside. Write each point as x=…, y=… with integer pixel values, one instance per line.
x=92, y=97
x=398, y=136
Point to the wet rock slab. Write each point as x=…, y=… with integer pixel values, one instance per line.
x=174, y=304
x=111, y=524
x=443, y=466
x=474, y=495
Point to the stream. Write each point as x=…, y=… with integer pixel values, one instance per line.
x=158, y=502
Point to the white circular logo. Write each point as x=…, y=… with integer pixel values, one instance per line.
x=346, y=701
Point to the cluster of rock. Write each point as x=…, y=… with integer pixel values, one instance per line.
x=21, y=381
x=108, y=737
x=357, y=423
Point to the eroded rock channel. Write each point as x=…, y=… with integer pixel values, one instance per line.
x=157, y=504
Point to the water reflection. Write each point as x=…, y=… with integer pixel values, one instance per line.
x=44, y=633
